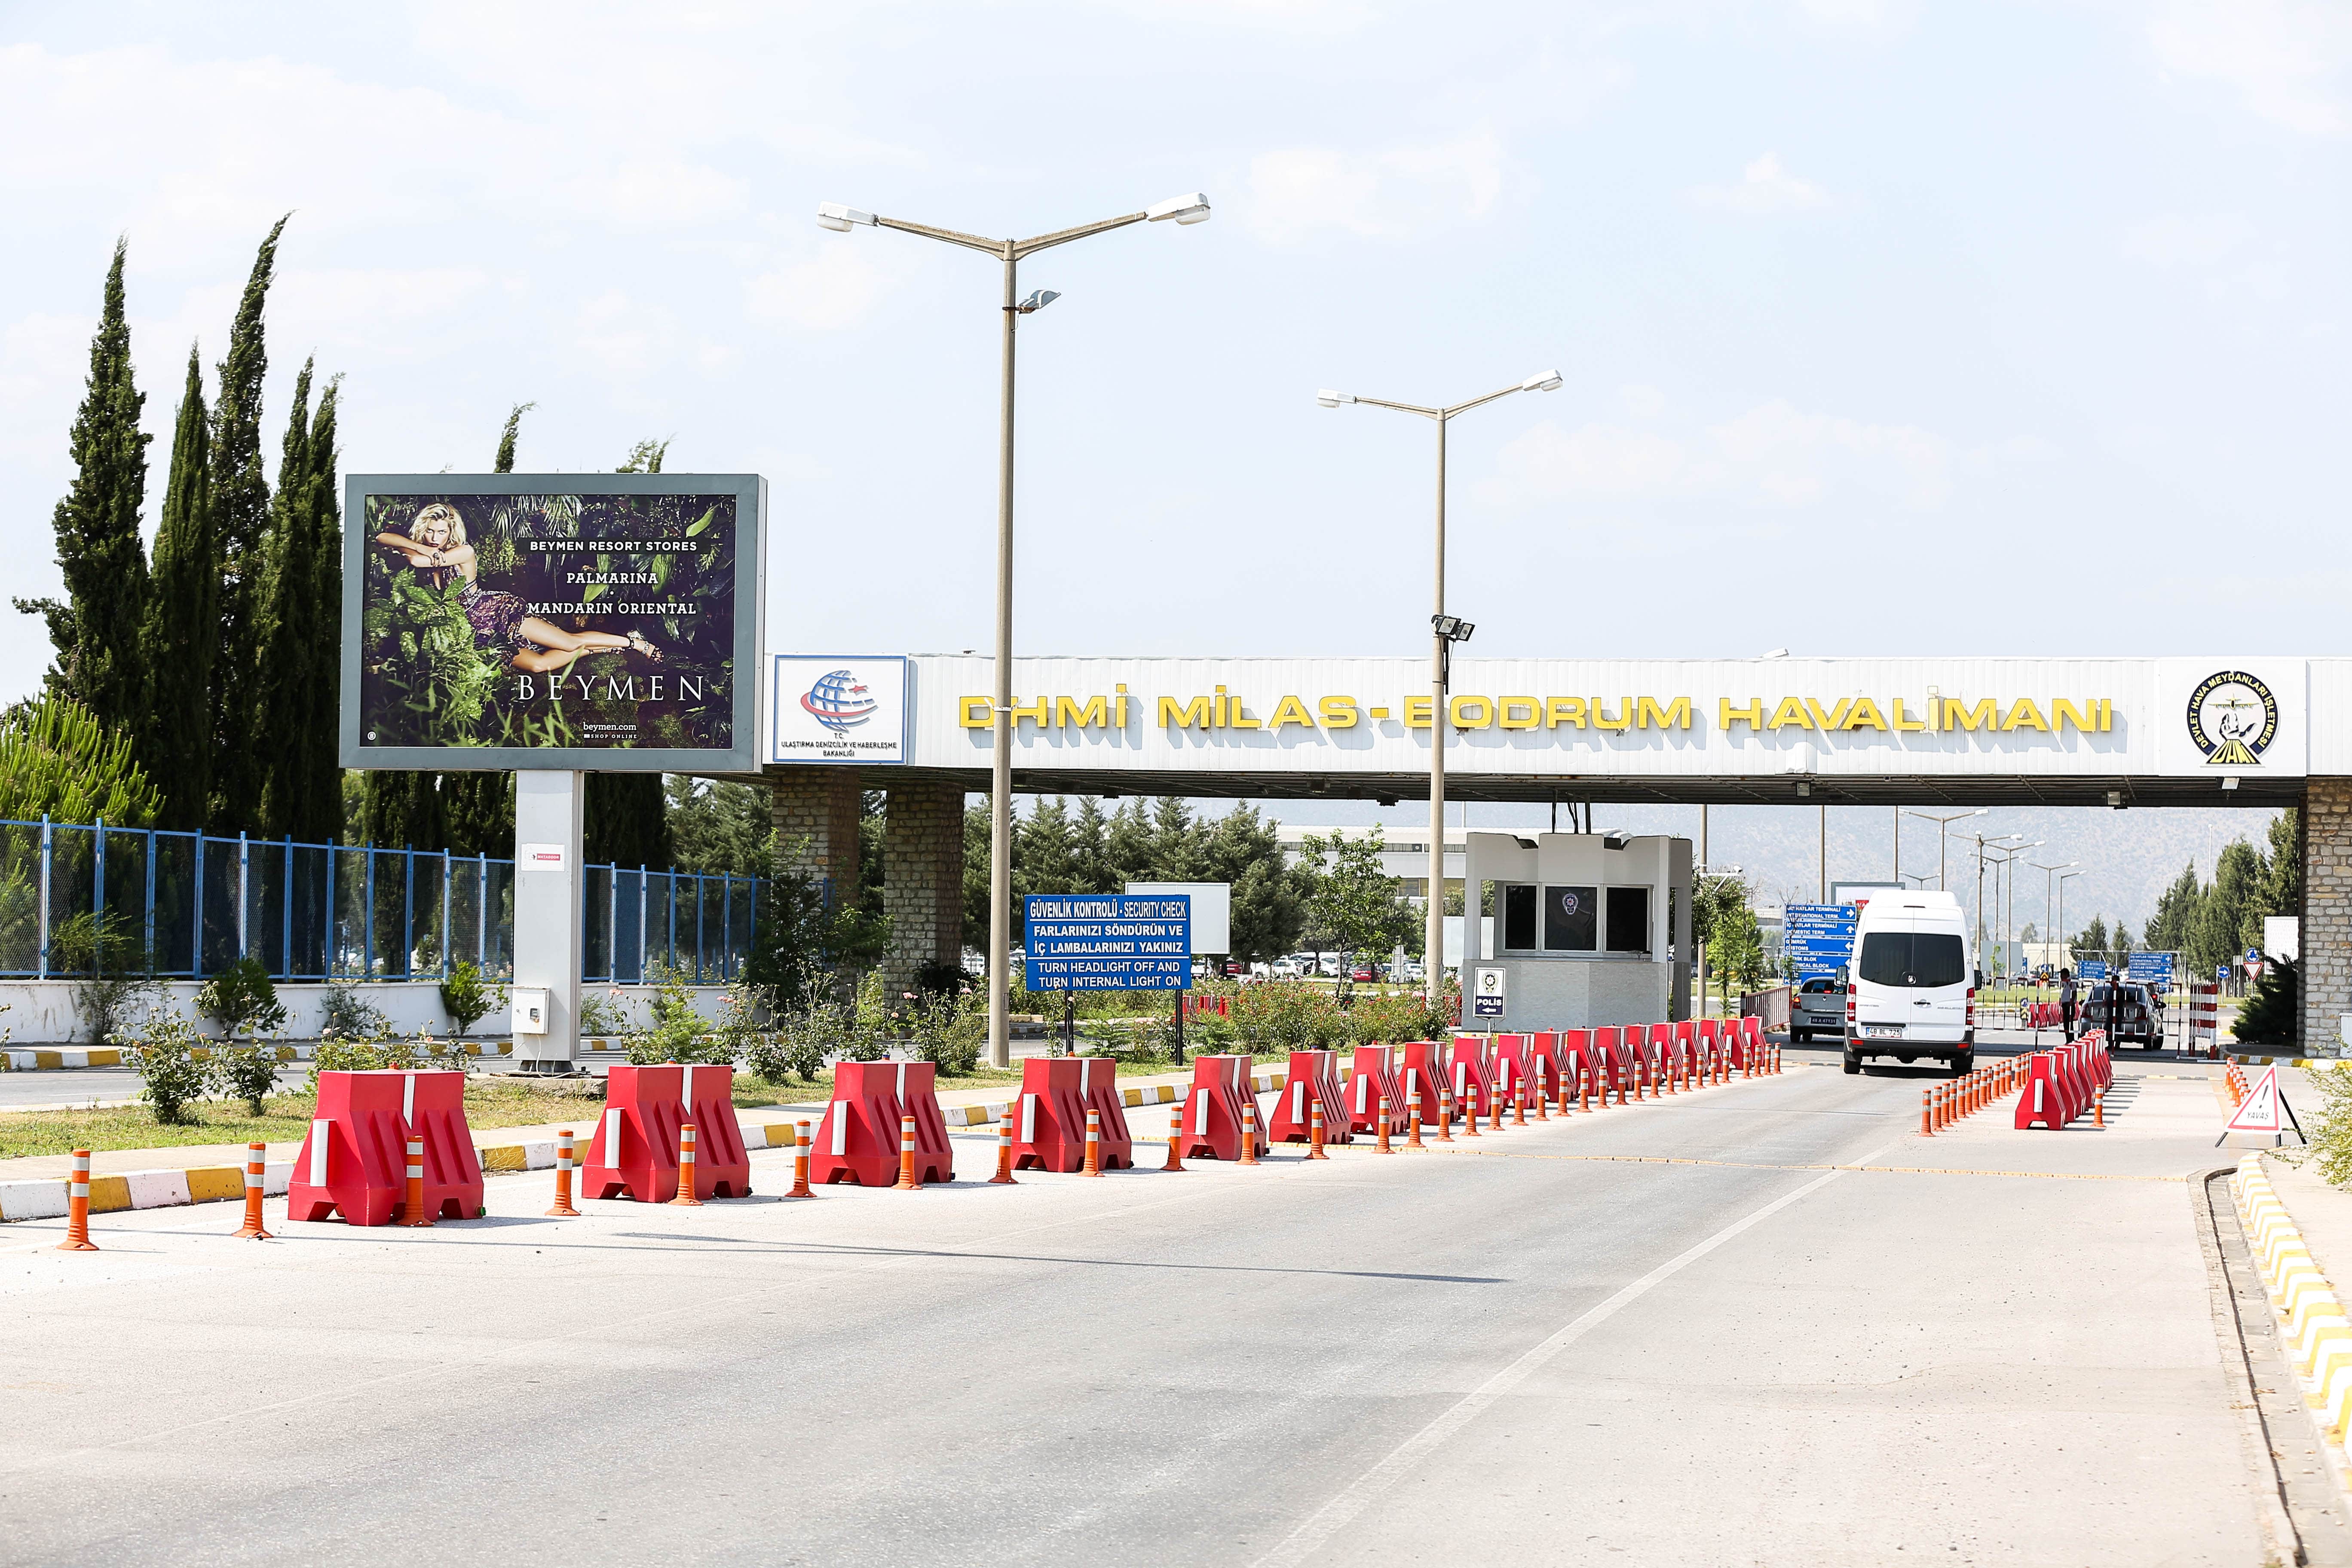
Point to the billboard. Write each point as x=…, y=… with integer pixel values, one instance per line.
x=606, y=623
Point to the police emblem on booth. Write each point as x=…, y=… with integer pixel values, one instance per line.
x=2232, y=719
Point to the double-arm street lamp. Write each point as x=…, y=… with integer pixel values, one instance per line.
x=1191, y=208
x=1444, y=632
x=2049, y=903
x=1943, y=823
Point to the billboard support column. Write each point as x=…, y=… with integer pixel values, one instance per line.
x=550, y=816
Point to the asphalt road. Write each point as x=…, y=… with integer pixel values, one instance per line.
x=1557, y=1349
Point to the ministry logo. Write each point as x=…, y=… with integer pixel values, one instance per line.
x=839, y=702
x=2232, y=719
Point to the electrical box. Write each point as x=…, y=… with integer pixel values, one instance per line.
x=530, y=1011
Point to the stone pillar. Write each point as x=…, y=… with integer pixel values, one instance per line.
x=816, y=812
x=922, y=880
x=2327, y=913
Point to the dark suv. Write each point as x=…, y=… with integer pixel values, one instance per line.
x=2128, y=1012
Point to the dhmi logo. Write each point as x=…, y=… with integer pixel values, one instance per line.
x=2232, y=717
x=839, y=702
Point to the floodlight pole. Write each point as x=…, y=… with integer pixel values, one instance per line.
x=1000, y=805
x=1440, y=651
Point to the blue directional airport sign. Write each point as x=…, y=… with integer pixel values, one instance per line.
x=2151, y=968
x=1110, y=941
x=1818, y=936
x=2091, y=969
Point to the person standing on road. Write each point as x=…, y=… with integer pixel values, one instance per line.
x=2066, y=1001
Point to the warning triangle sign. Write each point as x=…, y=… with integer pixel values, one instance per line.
x=2259, y=1111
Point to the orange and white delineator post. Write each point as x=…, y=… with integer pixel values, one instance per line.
x=907, y=1182
x=1003, y=1177
x=1444, y=1113
x=1412, y=1123
x=1092, y=1166
x=1249, y=1130
x=78, y=1207
x=1927, y=1113
x=563, y=1209
x=1380, y=1102
x=686, y=1197
x=412, y=1204
x=1315, y=1131
x=1175, y=1138
x=255, y=1155
x=800, y=1162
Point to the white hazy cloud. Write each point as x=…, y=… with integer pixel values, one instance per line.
x=2286, y=59
x=1398, y=194
x=1774, y=455
x=2181, y=239
x=837, y=285
x=1764, y=187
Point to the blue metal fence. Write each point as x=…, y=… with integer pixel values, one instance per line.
x=336, y=911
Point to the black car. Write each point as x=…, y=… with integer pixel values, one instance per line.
x=2129, y=1013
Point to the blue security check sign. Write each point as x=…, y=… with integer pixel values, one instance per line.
x=1110, y=941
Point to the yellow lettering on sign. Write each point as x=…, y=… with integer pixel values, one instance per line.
x=1866, y=715
x=1291, y=710
x=1789, y=714
x=1534, y=713
x=1457, y=707
x=1121, y=719
x=1727, y=715
x=2062, y=712
x=2027, y=714
x=1559, y=710
x=1600, y=720
x=1191, y=715
x=1903, y=723
x=1958, y=715
x=976, y=714
x=1042, y=715
x=1067, y=710
x=2106, y=715
x=1338, y=712
x=1233, y=716
x=1674, y=715
x=1832, y=720
x=1417, y=712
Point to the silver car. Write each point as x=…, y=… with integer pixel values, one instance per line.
x=1817, y=1007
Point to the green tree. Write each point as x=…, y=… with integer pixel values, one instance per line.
x=1126, y=844
x=2092, y=943
x=719, y=826
x=1175, y=841
x=975, y=874
x=1352, y=899
x=1736, y=951
x=626, y=821
x=505, y=463
x=1042, y=859
x=2272, y=1014
x=240, y=528
x=96, y=631
x=645, y=457
x=400, y=809
x=182, y=636
x=2281, y=888
x=300, y=794
x=1091, y=867
x=2230, y=918
x=1269, y=894
x=2173, y=925
x=57, y=759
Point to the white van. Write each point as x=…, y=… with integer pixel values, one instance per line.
x=1909, y=990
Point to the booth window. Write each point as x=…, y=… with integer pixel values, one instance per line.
x=1519, y=918
x=1570, y=920
x=1629, y=919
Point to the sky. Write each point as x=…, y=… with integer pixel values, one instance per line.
x=1884, y=327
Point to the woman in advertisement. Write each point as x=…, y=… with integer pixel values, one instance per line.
x=435, y=544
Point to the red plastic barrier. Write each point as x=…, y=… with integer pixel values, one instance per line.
x=1375, y=1077
x=355, y=1159
x=1421, y=1072
x=634, y=1151
x=1313, y=1079
x=2042, y=1100
x=1611, y=1064
x=1211, y=1127
x=1512, y=1069
x=1099, y=1090
x=1686, y=1050
x=1547, y=1065
x=1661, y=1052
x=857, y=1141
x=1049, y=1120
x=1578, y=1064
x=1473, y=1075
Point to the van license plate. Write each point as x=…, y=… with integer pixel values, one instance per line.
x=1882, y=1031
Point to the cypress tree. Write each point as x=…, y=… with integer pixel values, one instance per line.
x=182, y=636
x=479, y=806
x=96, y=630
x=505, y=464
x=240, y=521
x=318, y=813
x=296, y=724
x=628, y=821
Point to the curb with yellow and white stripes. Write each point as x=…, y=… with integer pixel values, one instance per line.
x=2317, y=1336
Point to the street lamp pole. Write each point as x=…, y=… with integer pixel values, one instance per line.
x=1941, y=824
x=2061, y=912
x=1191, y=208
x=1444, y=632
x=2050, y=891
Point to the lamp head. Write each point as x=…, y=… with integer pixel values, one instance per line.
x=1036, y=301
x=1330, y=399
x=1453, y=629
x=1189, y=208
x=1543, y=381
x=839, y=219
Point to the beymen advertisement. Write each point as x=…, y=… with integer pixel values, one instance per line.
x=597, y=622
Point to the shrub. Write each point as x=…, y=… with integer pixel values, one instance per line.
x=1273, y=1018
x=601, y=1017
x=2268, y=1018
x=249, y=1073
x=871, y=1026
x=678, y=1033
x=949, y=1032
x=801, y=1042
x=110, y=966
x=173, y=1076
x=352, y=1015
x=2331, y=1128
x=1393, y=1018
x=466, y=996
x=241, y=999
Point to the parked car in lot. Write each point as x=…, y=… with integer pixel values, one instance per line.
x=1363, y=972
x=1287, y=969
x=2129, y=1013
x=1817, y=1007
